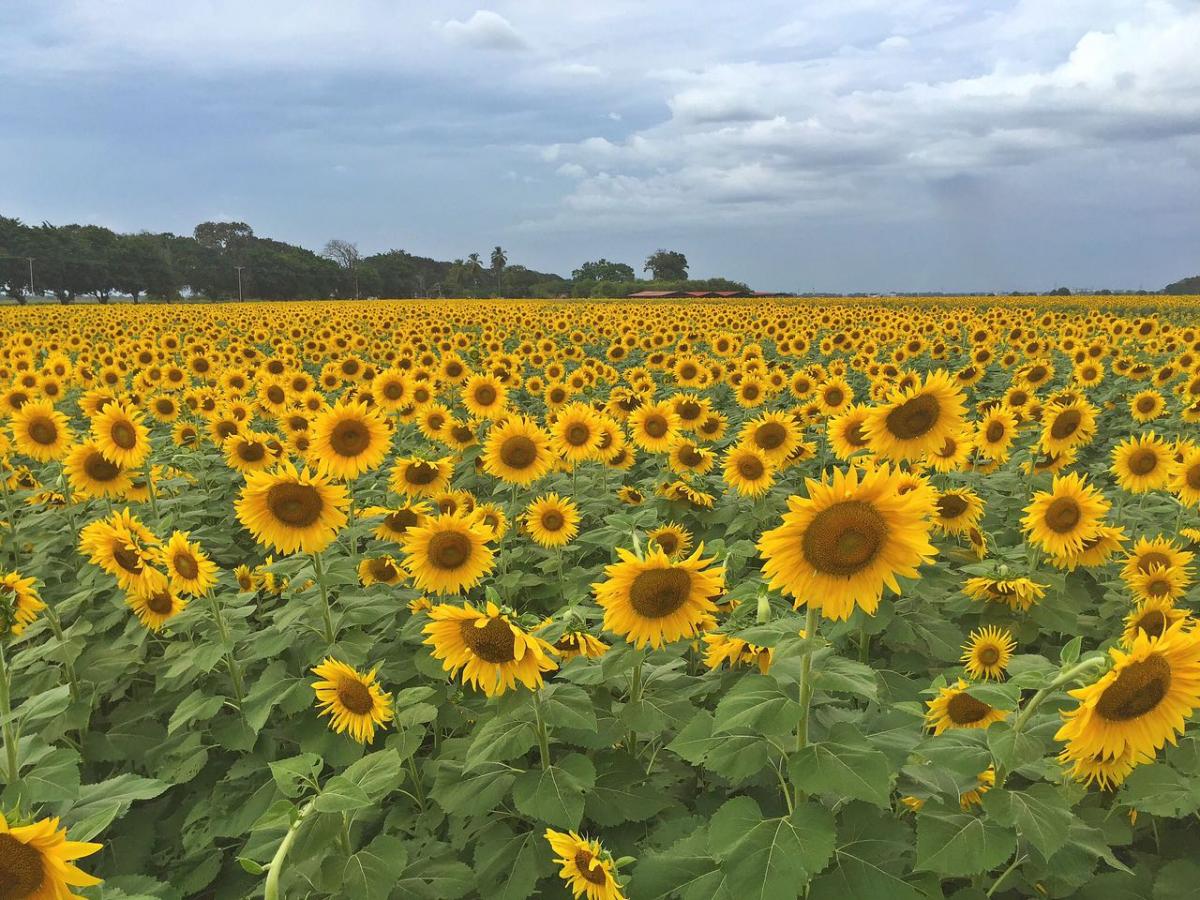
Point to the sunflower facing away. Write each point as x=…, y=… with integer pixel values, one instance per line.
x=349, y=439
x=918, y=420
x=847, y=540
x=552, y=521
x=353, y=700
x=517, y=451
x=587, y=868
x=447, y=553
x=987, y=653
x=722, y=649
x=656, y=600
x=292, y=510
x=953, y=707
x=491, y=651
x=1061, y=520
x=19, y=603
x=37, y=862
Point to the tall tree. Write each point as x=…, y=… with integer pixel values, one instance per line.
x=499, y=261
x=667, y=265
x=346, y=255
x=474, y=269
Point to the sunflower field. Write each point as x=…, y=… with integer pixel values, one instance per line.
x=440, y=599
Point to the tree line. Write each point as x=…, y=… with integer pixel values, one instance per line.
x=227, y=260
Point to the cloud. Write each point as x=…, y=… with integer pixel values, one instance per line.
x=485, y=30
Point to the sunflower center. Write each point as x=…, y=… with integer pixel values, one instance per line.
x=689, y=410
x=1139, y=688
x=855, y=436
x=21, y=869
x=1154, y=558
x=951, y=506
x=1143, y=462
x=690, y=456
x=382, y=569
x=989, y=656
x=462, y=433
x=578, y=434
x=186, y=566
x=913, y=418
x=123, y=435
x=1145, y=405
x=485, y=395
x=421, y=472
x=770, y=435
x=965, y=709
x=297, y=505
x=1153, y=622
x=393, y=390
x=843, y=539
x=1158, y=587
x=834, y=396
x=1063, y=515
x=449, y=549
x=251, y=451
x=275, y=394
x=518, y=452
x=129, y=559
x=494, y=642
x=995, y=432
x=655, y=426
x=1066, y=424
x=159, y=603
x=43, y=431
x=588, y=867
x=552, y=520
x=687, y=371
x=1192, y=477
x=355, y=696
x=400, y=521
x=226, y=429
x=750, y=467
x=667, y=542
x=656, y=593
x=349, y=438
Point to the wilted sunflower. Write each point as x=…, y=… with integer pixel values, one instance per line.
x=37, y=862
x=1141, y=703
x=416, y=477
x=722, y=649
x=1059, y=521
x=447, y=553
x=348, y=439
x=1151, y=617
x=40, y=431
x=654, y=427
x=1142, y=463
x=292, y=510
x=155, y=607
x=987, y=653
x=916, y=421
x=379, y=570
x=957, y=510
x=848, y=540
x=587, y=868
x=188, y=568
x=19, y=603
x=91, y=475
x=552, y=521
x=492, y=652
x=517, y=451
x=953, y=707
x=657, y=600
x=353, y=700
x=579, y=643
x=747, y=471
x=120, y=436
x=1017, y=593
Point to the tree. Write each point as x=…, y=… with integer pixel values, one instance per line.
x=667, y=265
x=222, y=235
x=346, y=255
x=474, y=269
x=499, y=261
x=1184, y=286
x=603, y=270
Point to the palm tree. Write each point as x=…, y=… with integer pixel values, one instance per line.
x=499, y=261
x=474, y=268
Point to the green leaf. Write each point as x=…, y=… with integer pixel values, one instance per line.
x=295, y=772
x=471, y=793
x=735, y=755
x=196, y=706
x=1178, y=878
x=845, y=676
x=623, y=794
x=961, y=751
x=568, y=706
x=845, y=770
x=674, y=874
x=377, y=773
x=856, y=876
x=771, y=859
x=54, y=777
x=1040, y=813
x=756, y=703
x=509, y=870
x=41, y=706
x=1069, y=654
x=959, y=844
x=434, y=879
x=1000, y=695
x=555, y=795
x=1158, y=789
x=340, y=794
x=1013, y=749
x=101, y=803
x=370, y=873
x=500, y=739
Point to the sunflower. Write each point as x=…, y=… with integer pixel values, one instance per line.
x=1149, y=553
x=722, y=649
x=1066, y=425
x=353, y=700
x=40, y=431
x=687, y=457
x=552, y=521
x=654, y=427
x=120, y=436
x=485, y=397
x=579, y=643
x=416, y=477
x=1016, y=593
x=249, y=451
x=37, y=861
x=916, y=421
x=246, y=581
x=155, y=607
x=657, y=600
x=1152, y=617
x=983, y=783
x=395, y=521
x=348, y=439
x=390, y=389
x=125, y=549
x=91, y=475
x=577, y=432
x=1142, y=463
x=630, y=496
x=957, y=510
x=995, y=433
x=672, y=539
x=517, y=451
x=447, y=553
x=379, y=570
x=492, y=652
x=290, y=510
x=19, y=603
x=587, y=868
x=747, y=471
x=835, y=396
x=188, y=568
x=845, y=432
x=773, y=434
x=1185, y=483
x=987, y=653
x=1160, y=583
x=953, y=707
x=1107, y=771
x=492, y=519
x=848, y=540
x=1146, y=406
x=1141, y=703
x=1061, y=520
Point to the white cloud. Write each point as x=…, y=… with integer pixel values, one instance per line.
x=486, y=30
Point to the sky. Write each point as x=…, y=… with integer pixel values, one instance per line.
x=862, y=145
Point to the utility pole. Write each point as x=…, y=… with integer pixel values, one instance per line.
x=239, y=271
x=31, y=290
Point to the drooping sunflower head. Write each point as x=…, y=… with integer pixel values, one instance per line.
x=987, y=653
x=579, y=643
x=722, y=649
x=954, y=707
x=292, y=510
x=1017, y=593
x=447, y=553
x=19, y=603
x=517, y=451
x=353, y=700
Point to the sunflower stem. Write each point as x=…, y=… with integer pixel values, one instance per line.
x=811, y=620
x=864, y=645
x=635, y=695
x=12, y=519
x=68, y=666
x=543, y=738
x=235, y=672
x=148, y=472
x=275, y=867
x=12, y=769
x=326, y=612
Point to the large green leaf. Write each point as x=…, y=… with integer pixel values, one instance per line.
x=555, y=795
x=844, y=770
x=959, y=843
